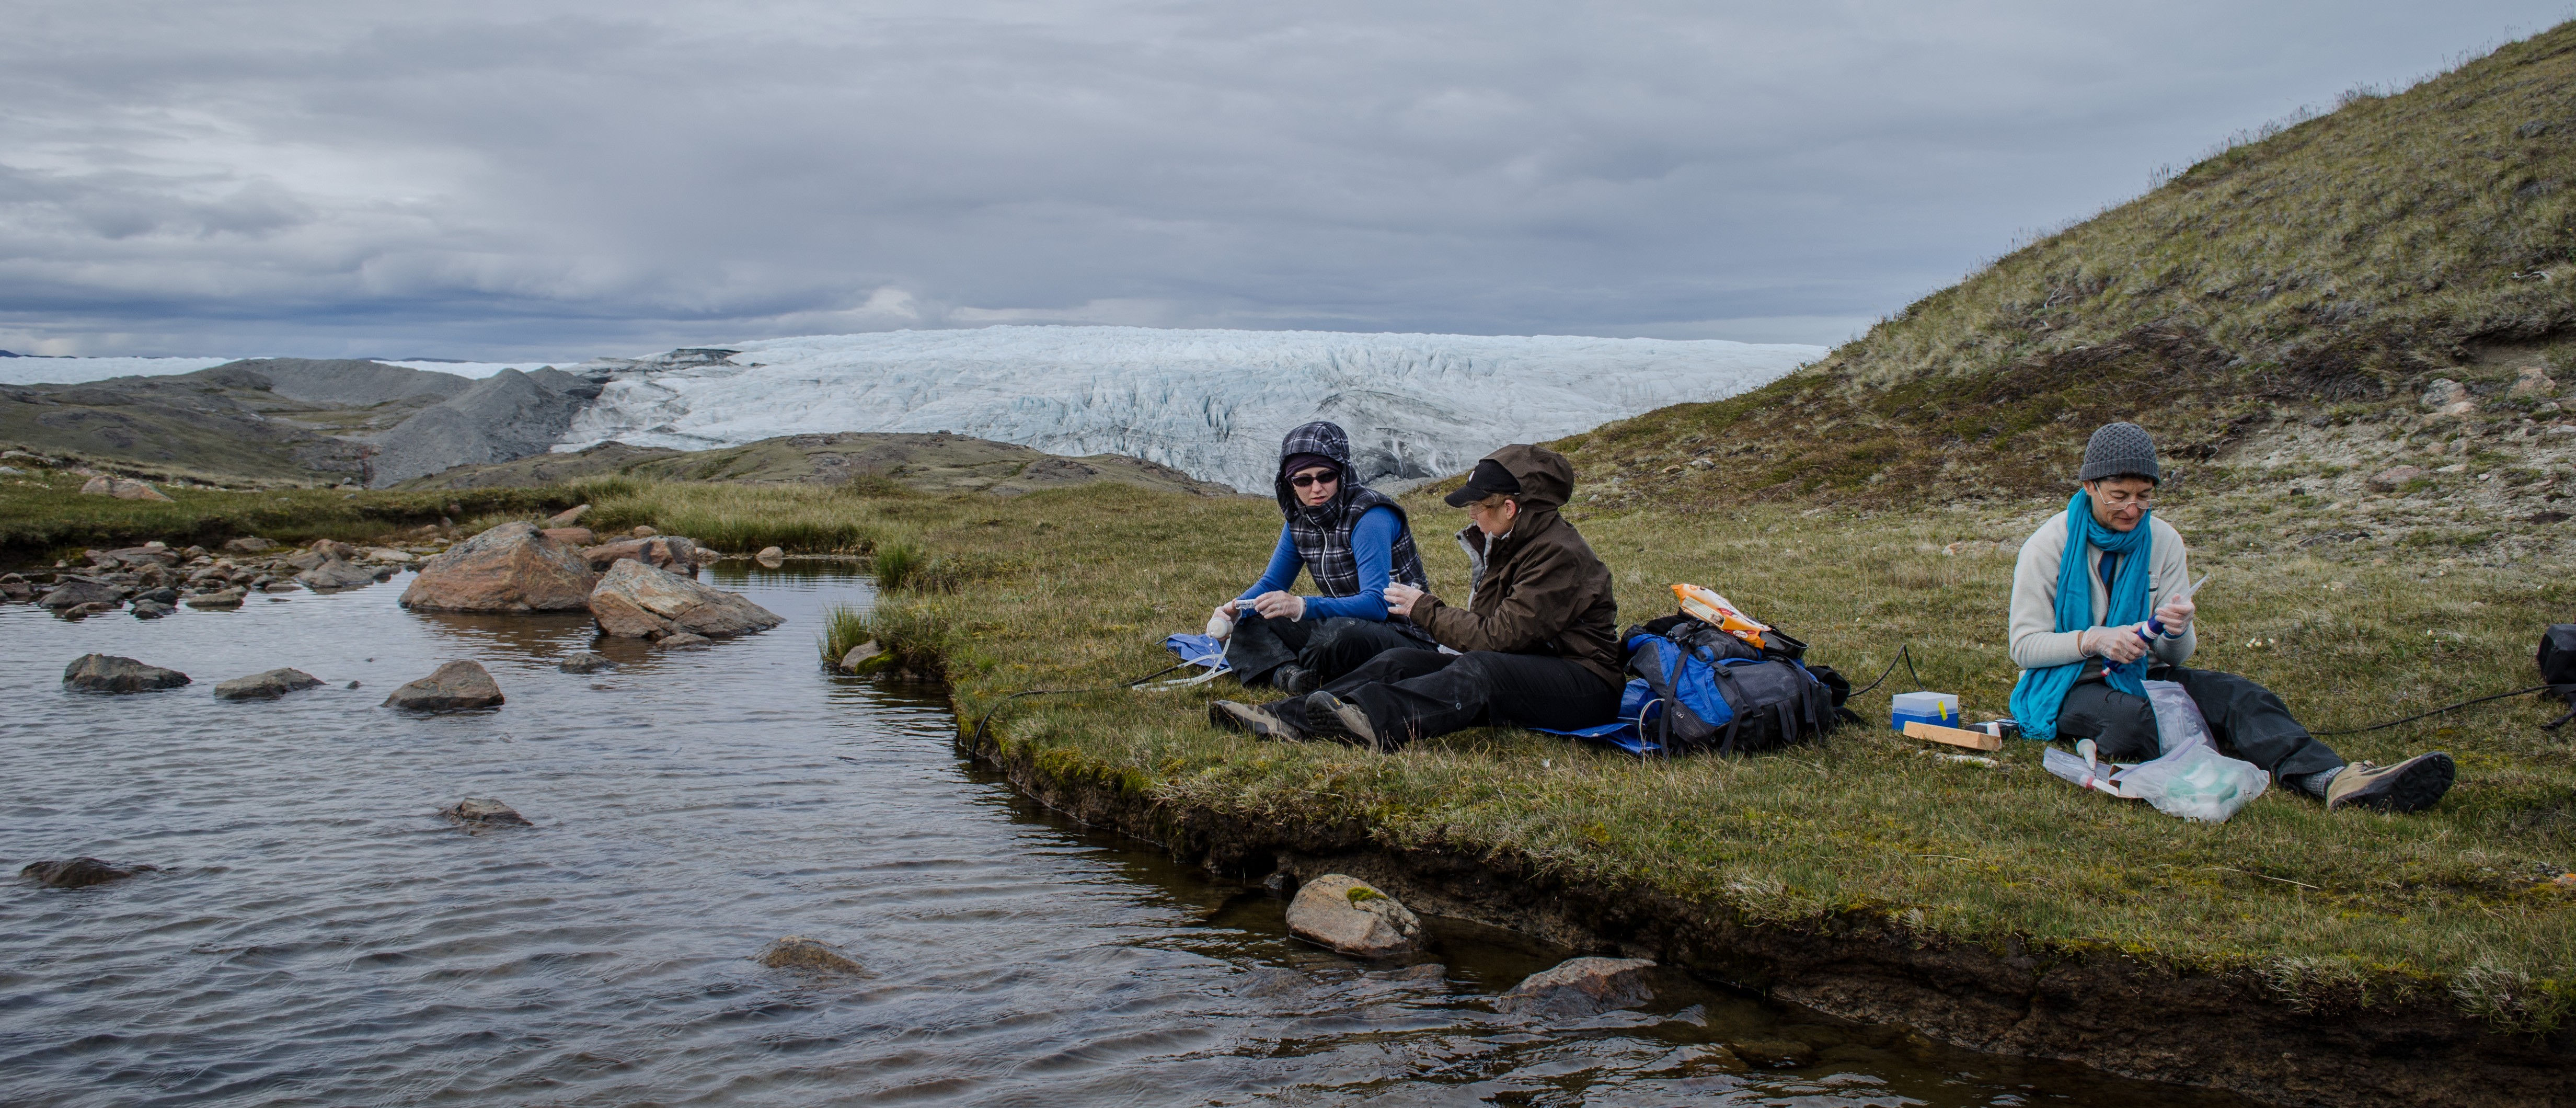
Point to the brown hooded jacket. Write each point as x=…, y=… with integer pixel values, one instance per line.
x=1539, y=589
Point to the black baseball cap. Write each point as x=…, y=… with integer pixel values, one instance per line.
x=1489, y=478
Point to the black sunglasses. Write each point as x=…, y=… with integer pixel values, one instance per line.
x=1303, y=480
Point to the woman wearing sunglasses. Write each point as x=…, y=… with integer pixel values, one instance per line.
x=1351, y=541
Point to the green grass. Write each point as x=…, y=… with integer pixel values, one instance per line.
x=2346, y=904
x=844, y=626
x=44, y=515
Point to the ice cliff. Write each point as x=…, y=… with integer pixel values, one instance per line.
x=1211, y=403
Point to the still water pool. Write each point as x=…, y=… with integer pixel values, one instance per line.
x=317, y=934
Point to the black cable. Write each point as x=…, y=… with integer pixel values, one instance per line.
x=1006, y=701
x=1904, y=654
x=2434, y=712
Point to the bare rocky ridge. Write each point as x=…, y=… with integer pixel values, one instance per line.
x=506, y=416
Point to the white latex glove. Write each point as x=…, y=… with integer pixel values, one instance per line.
x=1400, y=598
x=1280, y=605
x=2115, y=644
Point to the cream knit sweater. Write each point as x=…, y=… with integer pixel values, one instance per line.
x=2036, y=641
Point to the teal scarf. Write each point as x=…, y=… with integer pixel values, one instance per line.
x=2041, y=692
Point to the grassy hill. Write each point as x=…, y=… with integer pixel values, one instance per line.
x=2323, y=277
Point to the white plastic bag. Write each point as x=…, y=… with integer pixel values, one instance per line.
x=2188, y=778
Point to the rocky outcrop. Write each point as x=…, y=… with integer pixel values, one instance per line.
x=108, y=673
x=121, y=488
x=1351, y=916
x=455, y=687
x=78, y=873
x=637, y=601
x=476, y=812
x=1579, y=987
x=266, y=686
x=510, y=568
x=585, y=662
x=800, y=952
x=659, y=551
x=506, y=416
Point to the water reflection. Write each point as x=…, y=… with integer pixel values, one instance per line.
x=322, y=936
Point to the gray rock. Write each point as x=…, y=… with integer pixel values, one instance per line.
x=771, y=556
x=335, y=574
x=249, y=544
x=163, y=595
x=1351, y=916
x=799, y=952
x=863, y=657
x=281, y=586
x=585, y=662
x=455, y=687
x=151, y=609
x=111, y=674
x=1580, y=987
x=685, y=641
x=637, y=601
x=77, y=611
x=266, y=686
x=78, y=873
x=506, y=416
x=227, y=598
x=482, y=811
x=79, y=590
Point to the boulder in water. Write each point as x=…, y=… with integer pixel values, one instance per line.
x=227, y=598
x=78, y=873
x=1351, y=916
x=771, y=556
x=266, y=686
x=455, y=687
x=151, y=609
x=81, y=590
x=799, y=952
x=475, y=812
x=510, y=568
x=1580, y=987
x=585, y=662
x=635, y=600
x=110, y=674
x=335, y=574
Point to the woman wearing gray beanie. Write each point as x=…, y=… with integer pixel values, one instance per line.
x=2099, y=606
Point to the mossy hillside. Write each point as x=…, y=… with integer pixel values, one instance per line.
x=2326, y=906
x=2329, y=271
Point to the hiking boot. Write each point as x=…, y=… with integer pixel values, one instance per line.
x=2409, y=786
x=1257, y=720
x=1294, y=680
x=1330, y=716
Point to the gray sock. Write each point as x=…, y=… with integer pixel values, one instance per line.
x=2314, y=784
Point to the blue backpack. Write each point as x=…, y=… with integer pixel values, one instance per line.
x=1704, y=689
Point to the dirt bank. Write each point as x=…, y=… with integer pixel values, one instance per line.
x=2098, y=1007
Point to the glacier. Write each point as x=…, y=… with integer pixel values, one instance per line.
x=1212, y=403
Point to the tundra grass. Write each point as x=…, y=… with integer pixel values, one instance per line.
x=44, y=515
x=2343, y=905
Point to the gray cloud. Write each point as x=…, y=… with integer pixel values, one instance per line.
x=509, y=180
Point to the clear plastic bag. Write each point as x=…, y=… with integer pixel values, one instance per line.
x=2188, y=778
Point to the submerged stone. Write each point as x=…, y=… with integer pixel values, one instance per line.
x=799, y=952
x=1580, y=987
x=266, y=686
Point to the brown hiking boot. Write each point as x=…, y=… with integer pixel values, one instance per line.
x=1332, y=717
x=2409, y=786
x=1257, y=720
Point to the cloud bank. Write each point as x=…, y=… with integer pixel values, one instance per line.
x=532, y=180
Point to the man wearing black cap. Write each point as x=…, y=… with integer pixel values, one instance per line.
x=1537, y=643
x=2088, y=585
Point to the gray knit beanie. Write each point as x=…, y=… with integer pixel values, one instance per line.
x=2118, y=450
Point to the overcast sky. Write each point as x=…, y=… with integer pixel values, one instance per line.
x=535, y=180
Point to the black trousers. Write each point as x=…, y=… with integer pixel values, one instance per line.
x=1328, y=647
x=1411, y=694
x=2248, y=721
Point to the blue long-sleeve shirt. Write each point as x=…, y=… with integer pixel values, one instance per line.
x=1372, y=546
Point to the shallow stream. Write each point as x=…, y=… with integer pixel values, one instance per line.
x=319, y=935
